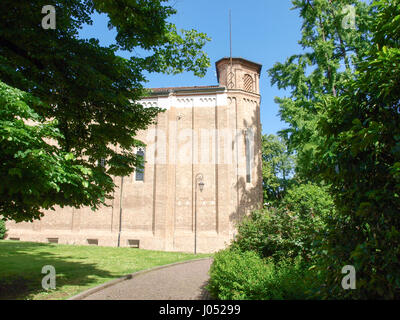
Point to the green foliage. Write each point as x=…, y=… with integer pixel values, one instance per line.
x=269, y=233
x=360, y=157
x=343, y=113
x=290, y=230
x=68, y=102
x=274, y=254
x=236, y=275
x=330, y=54
x=277, y=168
x=309, y=200
x=35, y=173
x=3, y=229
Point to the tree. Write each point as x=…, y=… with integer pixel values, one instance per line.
x=278, y=165
x=360, y=157
x=344, y=126
x=68, y=102
x=329, y=56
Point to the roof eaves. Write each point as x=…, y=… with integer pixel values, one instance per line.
x=167, y=91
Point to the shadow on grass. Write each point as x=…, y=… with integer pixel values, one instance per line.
x=21, y=266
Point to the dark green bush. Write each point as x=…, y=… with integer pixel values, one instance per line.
x=2, y=229
x=269, y=233
x=236, y=275
x=307, y=200
x=272, y=256
x=290, y=230
x=359, y=155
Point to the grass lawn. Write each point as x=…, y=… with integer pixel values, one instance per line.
x=78, y=268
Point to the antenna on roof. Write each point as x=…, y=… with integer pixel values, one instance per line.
x=230, y=34
x=230, y=74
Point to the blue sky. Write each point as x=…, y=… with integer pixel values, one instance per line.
x=263, y=31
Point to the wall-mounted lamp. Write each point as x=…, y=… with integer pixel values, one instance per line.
x=201, y=186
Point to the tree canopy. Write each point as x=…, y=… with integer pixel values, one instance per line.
x=277, y=167
x=68, y=102
x=360, y=157
x=329, y=55
x=343, y=117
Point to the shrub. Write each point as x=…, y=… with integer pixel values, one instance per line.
x=2, y=229
x=269, y=233
x=271, y=255
x=290, y=230
x=307, y=200
x=311, y=206
x=236, y=275
x=359, y=155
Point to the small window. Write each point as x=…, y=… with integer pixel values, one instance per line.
x=248, y=83
x=248, y=157
x=15, y=239
x=52, y=240
x=139, y=176
x=133, y=243
x=93, y=242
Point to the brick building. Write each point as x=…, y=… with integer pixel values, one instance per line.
x=202, y=173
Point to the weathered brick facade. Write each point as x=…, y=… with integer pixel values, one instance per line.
x=211, y=131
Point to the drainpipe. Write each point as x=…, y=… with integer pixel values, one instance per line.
x=120, y=212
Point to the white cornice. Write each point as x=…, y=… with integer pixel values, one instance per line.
x=186, y=101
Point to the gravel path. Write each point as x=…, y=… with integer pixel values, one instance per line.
x=179, y=282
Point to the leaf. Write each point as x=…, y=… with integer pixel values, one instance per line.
x=69, y=156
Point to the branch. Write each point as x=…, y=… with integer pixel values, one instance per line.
x=21, y=52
